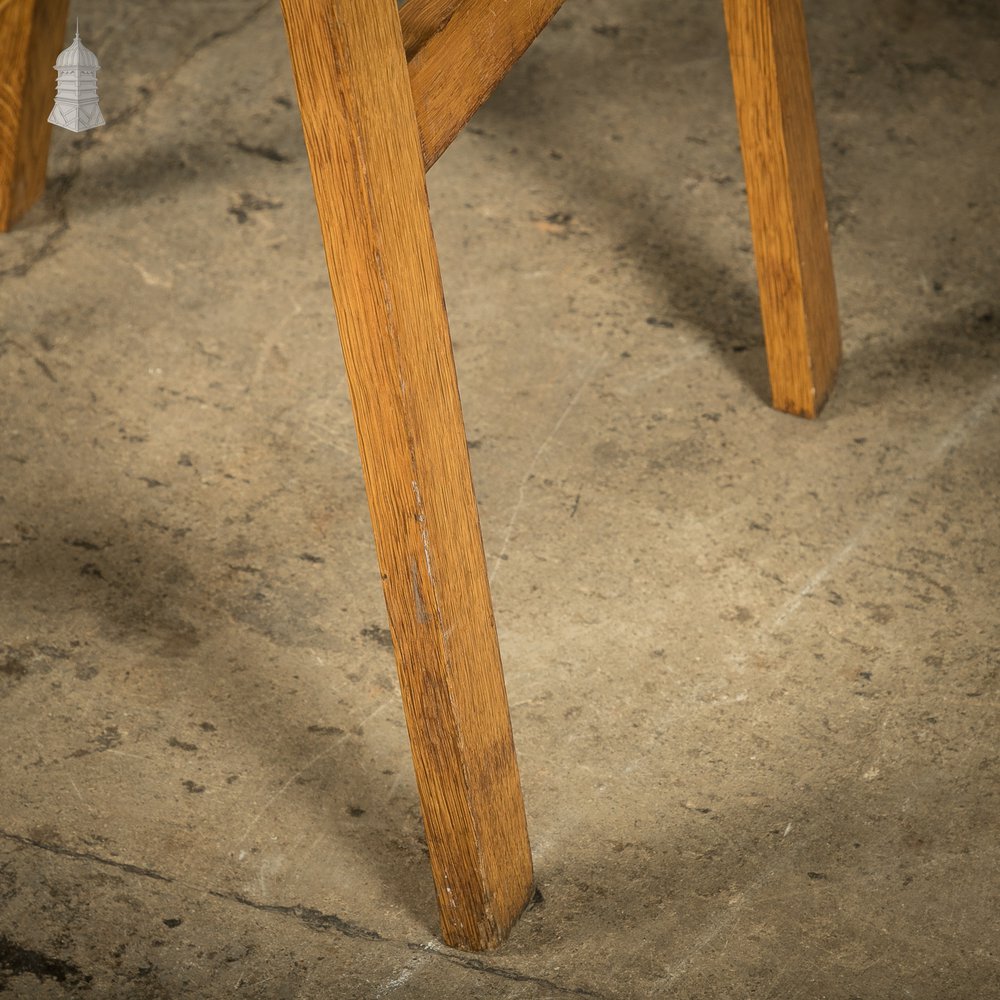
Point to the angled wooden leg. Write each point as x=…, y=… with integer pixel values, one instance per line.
x=31, y=35
x=368, y=177
x=774, y=104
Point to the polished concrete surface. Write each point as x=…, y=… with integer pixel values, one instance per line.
x=752, y=660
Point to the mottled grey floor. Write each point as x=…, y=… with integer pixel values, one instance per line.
x=752, y=660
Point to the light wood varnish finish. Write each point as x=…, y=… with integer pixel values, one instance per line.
x=31, y=36
x=368, y=177
x=459, y=66
x=770, y=64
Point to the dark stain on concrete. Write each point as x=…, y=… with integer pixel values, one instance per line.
x=378, y=634
x=12, y=666
x=84, y=543
x=18, y=662
x=107, y=739
x=267, y=152
x=249, y=203
x=16, y=960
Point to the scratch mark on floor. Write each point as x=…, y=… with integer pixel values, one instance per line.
x=281, y=791
x=404, y=976
x=147, y=276
x=77, y=790
x=816, y=580
x=315, y=760
x=953, y=439
x=519, y=503
x=723, y=922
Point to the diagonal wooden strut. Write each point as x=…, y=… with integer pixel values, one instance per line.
x=458, y=52
x=420, y=20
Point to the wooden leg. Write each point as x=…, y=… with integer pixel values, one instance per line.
x=31, y=36
x=798, y=301
x=368, y=177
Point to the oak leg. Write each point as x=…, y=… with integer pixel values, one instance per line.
x=31, y=36
x=770, y=64
x=368, y=177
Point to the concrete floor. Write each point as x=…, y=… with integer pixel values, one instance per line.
x=752, y=660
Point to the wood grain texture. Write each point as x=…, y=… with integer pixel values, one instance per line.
x=368, y=177
x=31, y=36
x=458, y=67
x=770, y=64
x=421, y=19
